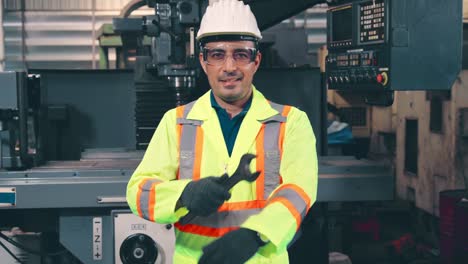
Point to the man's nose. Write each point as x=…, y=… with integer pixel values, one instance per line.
x=230, y=64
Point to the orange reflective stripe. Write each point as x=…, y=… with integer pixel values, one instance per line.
x=242, y=205
x=179, y=114
x=298, y=190
x=152, y=201
x=290, y=207
x=286, y=110
x=204, y=231
x=198, y=153
x=180, y=111
x=260, y=161
x=149, y=201
x=203, y=228
x=285, y=113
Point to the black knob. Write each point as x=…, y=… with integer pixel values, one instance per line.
x=359, y=78
x=138, y=249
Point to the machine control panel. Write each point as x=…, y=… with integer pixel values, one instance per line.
x=358, y=69
x=379, y=46
x=358, y=55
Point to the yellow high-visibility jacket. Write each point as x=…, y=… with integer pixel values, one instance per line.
x=274, y=205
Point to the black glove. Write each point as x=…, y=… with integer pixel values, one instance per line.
x=234, y=247
x=205, y=196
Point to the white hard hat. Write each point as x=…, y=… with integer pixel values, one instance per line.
x=228, y=18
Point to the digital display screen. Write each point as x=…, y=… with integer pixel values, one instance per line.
x=342, y=24
x=372, y=21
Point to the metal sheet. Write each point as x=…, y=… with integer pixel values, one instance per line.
x=8, y=90
x=69, y=192
x=100, y=109
x=77, y=235
x=57, y=34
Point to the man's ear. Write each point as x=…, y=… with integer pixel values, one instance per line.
x=257, y=60
x=202, y=62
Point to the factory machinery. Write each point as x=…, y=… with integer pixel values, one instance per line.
x=67, y=150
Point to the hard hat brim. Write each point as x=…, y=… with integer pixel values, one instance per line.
x=227, y=37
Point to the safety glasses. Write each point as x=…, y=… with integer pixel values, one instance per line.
x=217, y=55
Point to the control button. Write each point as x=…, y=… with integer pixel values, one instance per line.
x=382, y=78
x=359, y=78
x=341, y=79
x=347, y=80
x=367, y=77
x=379, y=78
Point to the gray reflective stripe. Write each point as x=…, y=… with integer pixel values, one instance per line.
x=225, y=218
x=183, y=121
x=145, y=196
x=277, y=107
x=275, y=118
x=271, y=149
x=187, y=153
x=188, y=107
x=271, y=158
x=294, y=198
x=187, y=143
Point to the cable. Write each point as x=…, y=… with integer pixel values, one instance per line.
x=11, y=253
x=31, y=251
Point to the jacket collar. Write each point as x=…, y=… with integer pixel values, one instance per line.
x=251, y=125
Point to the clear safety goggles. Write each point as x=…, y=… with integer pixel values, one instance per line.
x=217, y=55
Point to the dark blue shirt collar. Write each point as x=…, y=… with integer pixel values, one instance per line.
x=217, y=107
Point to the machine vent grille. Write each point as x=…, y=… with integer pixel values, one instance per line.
x=354, y=116
x=153, y=99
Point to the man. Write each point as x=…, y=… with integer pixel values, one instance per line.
x=197, y=146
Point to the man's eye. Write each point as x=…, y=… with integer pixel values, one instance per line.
x=242, y=55
x=217, y=55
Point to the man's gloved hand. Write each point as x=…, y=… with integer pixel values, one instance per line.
x=205, y=196
x=235, y=247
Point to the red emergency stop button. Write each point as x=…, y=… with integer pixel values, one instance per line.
x=379, y=78
x=382, y=78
